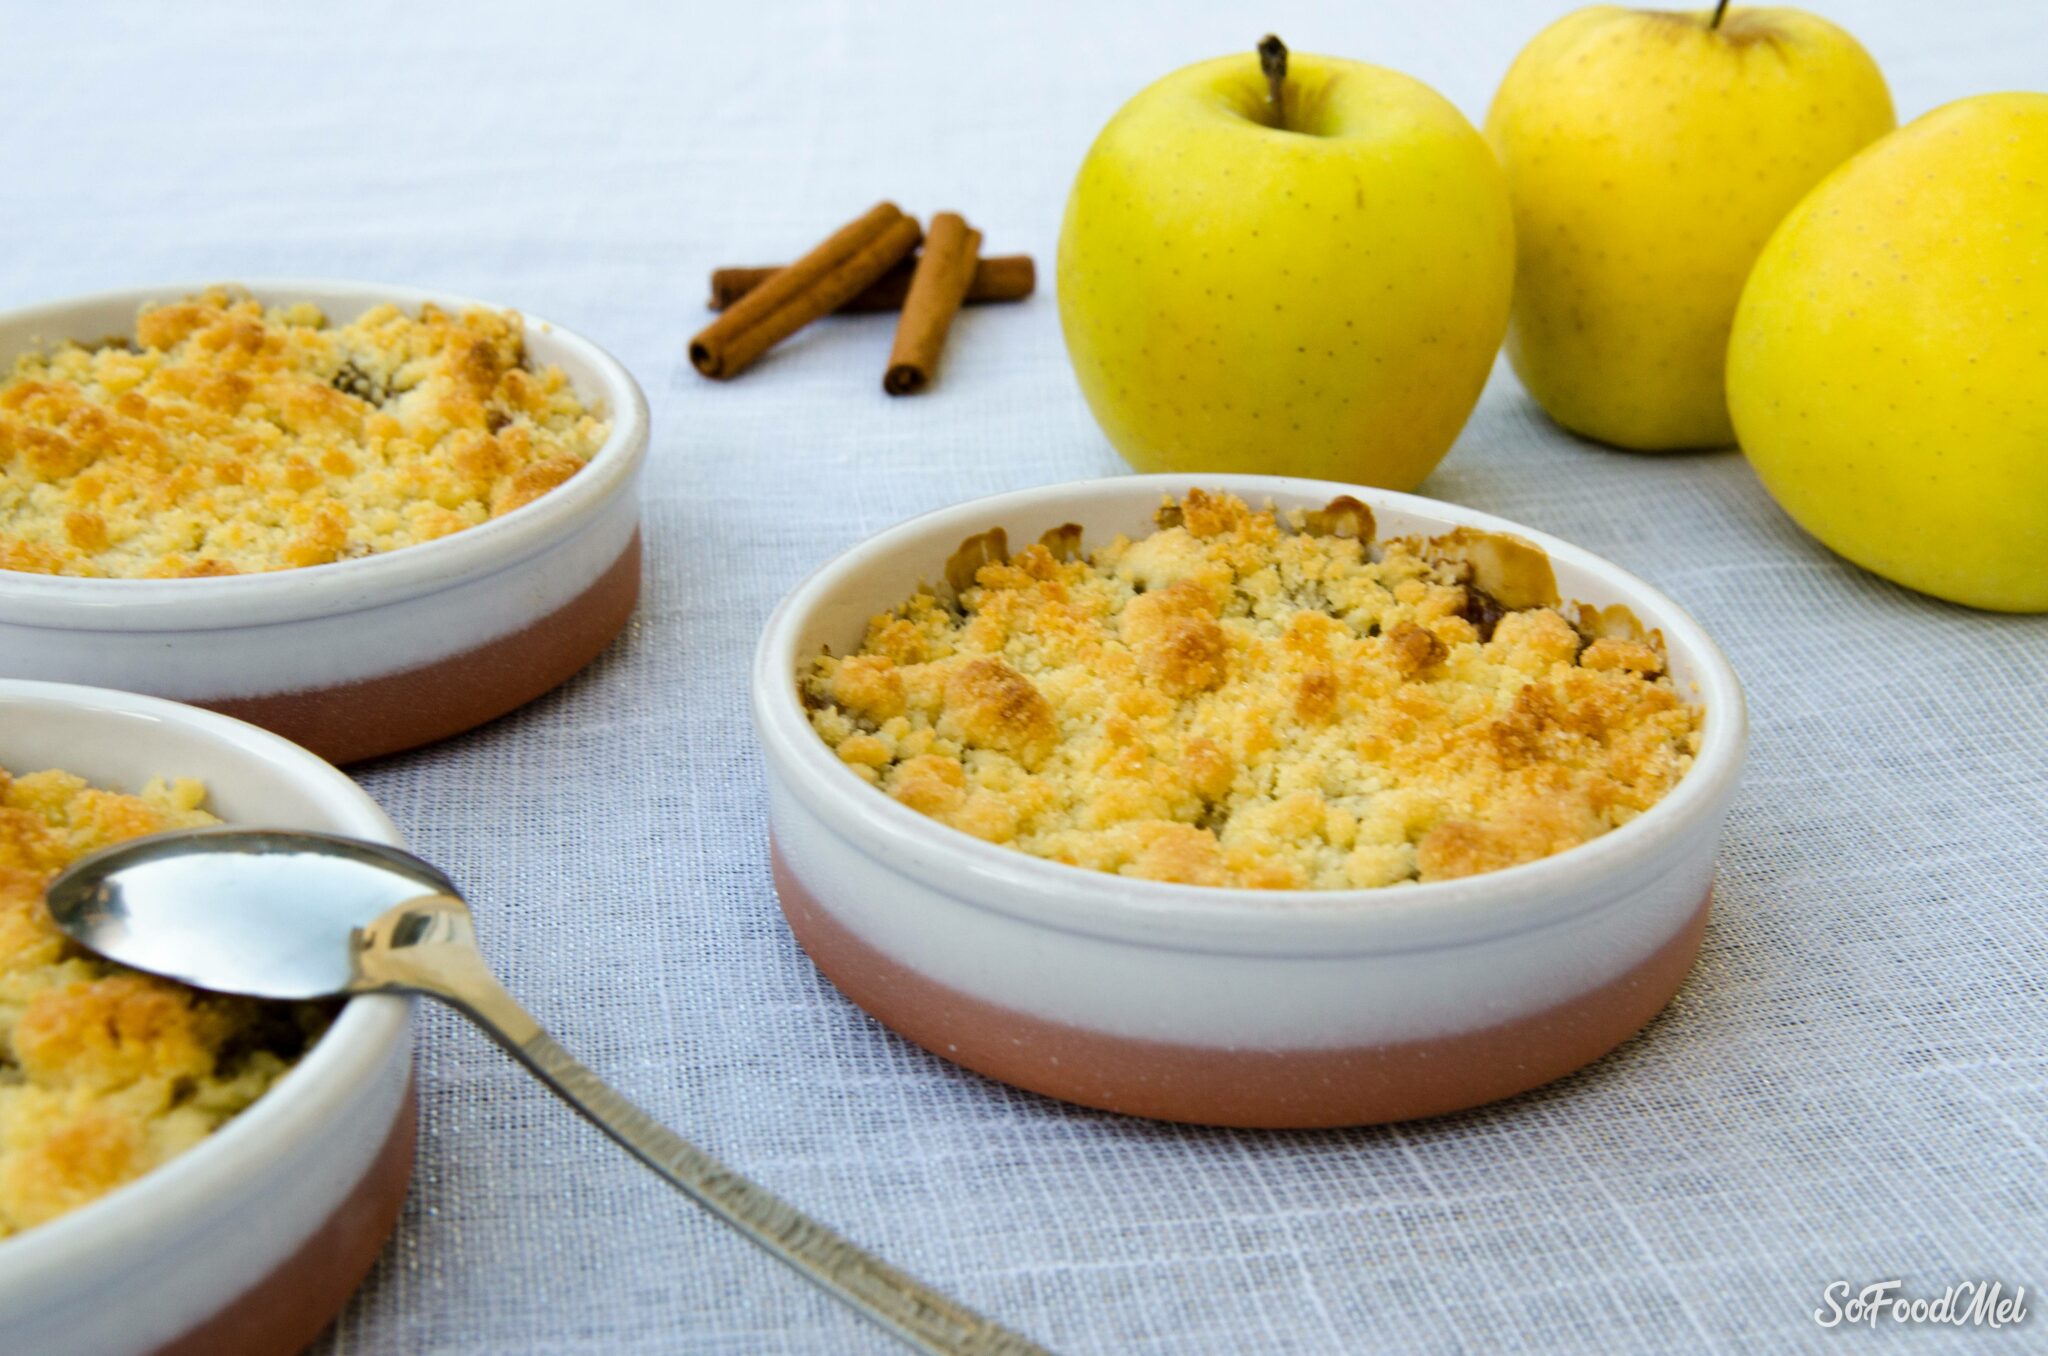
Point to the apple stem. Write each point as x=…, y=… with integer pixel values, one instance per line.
x=1719, y=10
x=1273, y=61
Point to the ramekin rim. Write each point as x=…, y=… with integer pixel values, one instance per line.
x=1163, y=914
x=344, y=586
x=359, y=1042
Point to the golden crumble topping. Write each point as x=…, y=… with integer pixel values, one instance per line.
x=106, y=1073
x=1237, y=700
x=229, y=438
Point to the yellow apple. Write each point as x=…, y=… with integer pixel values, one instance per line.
x=1888, y=372
x=1314, y=291
x=1650, y=155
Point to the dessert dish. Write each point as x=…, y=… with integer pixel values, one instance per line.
x=1241, y=699
x=251, y=1238
x=230, y=438
x=106, y=1074
x=1217, y=1003
x=402, y=636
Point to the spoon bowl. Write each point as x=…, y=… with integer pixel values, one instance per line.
x=264, y=913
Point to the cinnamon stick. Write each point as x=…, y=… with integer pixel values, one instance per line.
x=936, y=290
x=999, y=277
x=831, y=275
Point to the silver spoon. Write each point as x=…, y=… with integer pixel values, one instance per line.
x=307, y=915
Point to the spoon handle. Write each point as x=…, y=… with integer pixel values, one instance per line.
x=906, y=1306
x=428, y=946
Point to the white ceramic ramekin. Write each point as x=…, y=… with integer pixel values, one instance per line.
x=251, y=1241
x=1231, y=1007
x=368, y=656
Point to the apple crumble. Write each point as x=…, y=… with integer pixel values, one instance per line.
x=228, y=438
x=106, y=1073
x=1242, y=699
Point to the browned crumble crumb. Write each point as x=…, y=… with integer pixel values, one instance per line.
x=1228, y=702
x=230, y=438
x=106, y=1073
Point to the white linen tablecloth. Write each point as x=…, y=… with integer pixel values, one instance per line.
x=1851, y=1087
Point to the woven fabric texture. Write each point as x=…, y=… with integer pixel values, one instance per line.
x=1851, y=1086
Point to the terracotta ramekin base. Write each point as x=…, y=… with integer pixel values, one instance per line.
x=351, y=722
x=1210, y=1085
x=283, y=1312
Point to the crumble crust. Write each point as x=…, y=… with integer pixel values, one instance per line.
x=229, y=438
x=1236, y=700
x=106, y=1073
